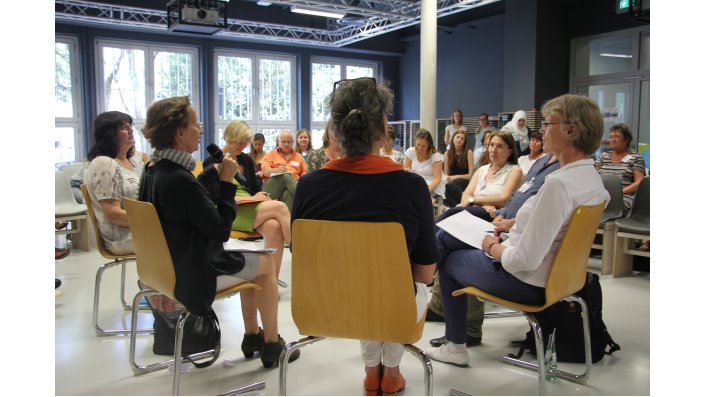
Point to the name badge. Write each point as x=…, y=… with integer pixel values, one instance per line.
x=626, y=158
x=294, y=163
x=526, y=185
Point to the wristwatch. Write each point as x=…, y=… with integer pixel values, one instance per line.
x=471, y=200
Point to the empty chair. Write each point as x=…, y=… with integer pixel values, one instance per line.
x=66, y=209
x=113, y=261
x=636, y=226
x=358, y=293
x=613, y=185
x=155, y=268
x=566, y=277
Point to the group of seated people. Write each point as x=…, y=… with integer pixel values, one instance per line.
x=197, y=211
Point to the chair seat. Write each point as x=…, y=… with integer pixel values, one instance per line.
x=239, y=234
x=236, y=288
x=633, y=225
x=65, y=209
x=494, y=299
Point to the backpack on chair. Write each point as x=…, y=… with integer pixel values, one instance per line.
x=565, y=318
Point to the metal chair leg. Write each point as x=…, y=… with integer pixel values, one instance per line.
x=126, y=306
x=284, y=358
x=177, y=351
x=427, y=366
x=96, y=300
x=539, y=365
x=259, y=385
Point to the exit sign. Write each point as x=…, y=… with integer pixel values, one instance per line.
x=623, y=6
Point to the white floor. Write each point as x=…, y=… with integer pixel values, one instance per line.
x=89, y=365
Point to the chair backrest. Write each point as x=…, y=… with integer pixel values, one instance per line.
x=70, y=169
x=353, y=280
x=62, y=190
x=199, y=168
x=567, y=274
x=154, y=265
x=96, y=231
x=641, y=207
x=615, y=207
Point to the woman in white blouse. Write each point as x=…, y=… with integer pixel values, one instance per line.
x=425, y=161
x=113, y=173
x=494, y=183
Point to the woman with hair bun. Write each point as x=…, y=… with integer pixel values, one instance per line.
x=358, y=109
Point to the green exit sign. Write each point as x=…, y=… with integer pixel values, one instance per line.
x=623, y=6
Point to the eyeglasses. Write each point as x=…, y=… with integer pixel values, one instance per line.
x=199, y=125
x=545, y=125
x=370, y=79
x=129, y=127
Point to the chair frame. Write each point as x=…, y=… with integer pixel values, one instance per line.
x=78, y=220
x=114, y=260
x=566, y=277
x=388, y=251
x=623, y=254
x=614, y=210
x=155, y=268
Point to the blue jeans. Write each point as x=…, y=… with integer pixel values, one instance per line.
x=461, y=266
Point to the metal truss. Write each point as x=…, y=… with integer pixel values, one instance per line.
x=381, y=16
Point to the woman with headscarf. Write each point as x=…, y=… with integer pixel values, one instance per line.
x=517, y=126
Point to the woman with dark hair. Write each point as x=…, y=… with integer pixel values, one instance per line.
x=457, y=166
x=387, y=148
x=382, y=192
x=423, y=159
x=623, y=162
x=480, y=154
x=535, y=152
x=516, y=269
x=113, y=173
x=196, y=216
x=257, y=154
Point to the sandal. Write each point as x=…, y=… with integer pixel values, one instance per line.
x=61, y=253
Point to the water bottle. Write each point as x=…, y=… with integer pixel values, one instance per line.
x=550, y=357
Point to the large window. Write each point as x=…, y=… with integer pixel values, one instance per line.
x=325, y=72
x=68, y=141
x=257, y=88
x=613, y=69
x=132, y=76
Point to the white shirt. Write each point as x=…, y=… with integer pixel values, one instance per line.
x=525, y=163
x=425, y=169
x=541, y=221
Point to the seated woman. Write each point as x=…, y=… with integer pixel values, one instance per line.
x=382, y=192
x=387, y=149
x=494, y=183
x=457, y=167
x=113, y=172
x=516, y=269
x=196, y=224
x=521, y=132
x=535, y=152
x=425, y=161
x=480, y=154
x=267, y=217
x=257, y=154
x=303, y=146
x=455, y=126
x=623, y=162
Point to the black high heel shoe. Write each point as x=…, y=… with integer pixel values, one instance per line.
x=252, y=344
x=272, y=351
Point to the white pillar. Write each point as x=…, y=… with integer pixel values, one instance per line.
x=428, y=66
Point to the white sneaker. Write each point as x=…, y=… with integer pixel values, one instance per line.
x=461, y=359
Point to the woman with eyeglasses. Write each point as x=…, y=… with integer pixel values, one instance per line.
x=363, y=186
x=196, y=216
x=113, y=172
x=517, y=268
x=268, y=217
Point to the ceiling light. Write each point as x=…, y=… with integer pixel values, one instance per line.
x=606, y=54
x=264, y=3
x=317, y=12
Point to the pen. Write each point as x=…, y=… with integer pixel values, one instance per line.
x=489, y=231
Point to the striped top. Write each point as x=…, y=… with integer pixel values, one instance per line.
x=624, y=169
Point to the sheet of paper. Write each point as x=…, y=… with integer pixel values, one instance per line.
x=234, y=244
x=279, y=173
x=467, y=228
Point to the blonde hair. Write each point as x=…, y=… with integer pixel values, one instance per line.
x=584, y=114
x=237, y=130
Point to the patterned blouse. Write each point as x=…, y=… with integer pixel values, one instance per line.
x=624, y=169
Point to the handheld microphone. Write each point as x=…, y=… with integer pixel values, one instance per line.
x=217, y=155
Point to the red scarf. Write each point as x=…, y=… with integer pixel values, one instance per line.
x=368, y=164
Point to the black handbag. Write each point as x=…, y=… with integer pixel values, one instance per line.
x=201, y=333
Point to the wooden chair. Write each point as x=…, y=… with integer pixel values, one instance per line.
x=353, y=280
x=566, y=277
x=199, y=168
x=114, y=260
x=635, y=226
x=155, y=268
x=613, y=185
x=66, y=209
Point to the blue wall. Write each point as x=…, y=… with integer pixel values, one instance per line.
x=470, y=71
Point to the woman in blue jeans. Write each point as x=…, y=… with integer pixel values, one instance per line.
x=516, y=269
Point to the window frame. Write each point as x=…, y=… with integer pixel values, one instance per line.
x=150, y=49
x=256, y=123
x=75, y=121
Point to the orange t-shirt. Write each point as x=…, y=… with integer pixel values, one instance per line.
x=294, y=163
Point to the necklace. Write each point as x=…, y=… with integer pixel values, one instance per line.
x=492, y=172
